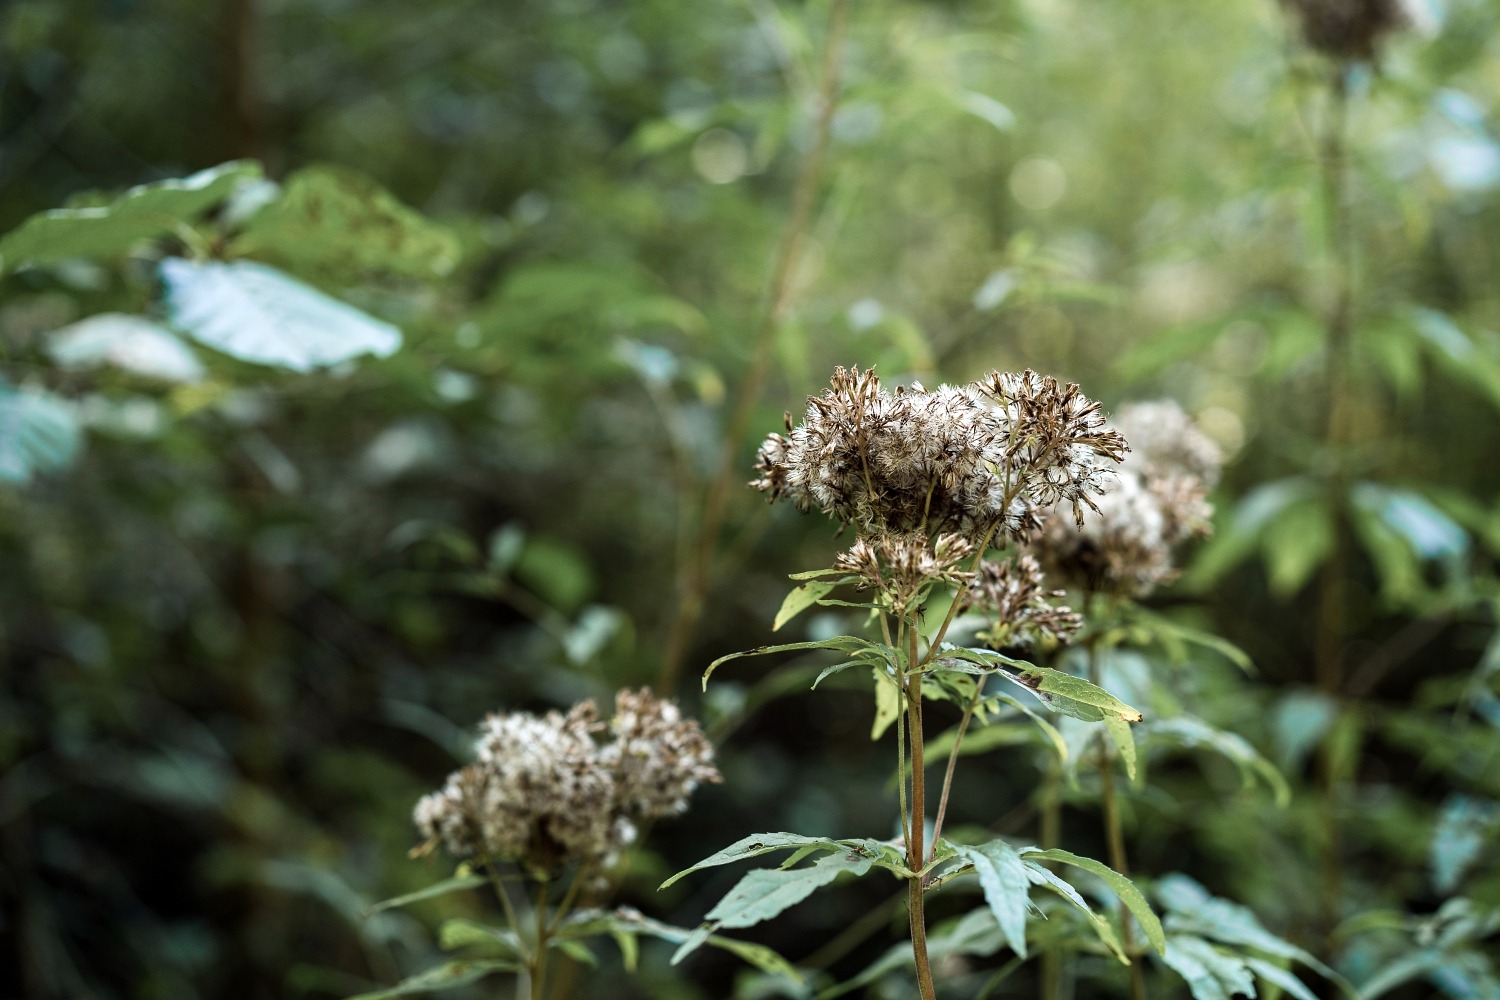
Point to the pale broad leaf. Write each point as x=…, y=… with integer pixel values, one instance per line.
x=130, y=343
x=1210, y=973
x=1280, y=978
x=1004, y=879
x=1124, y=740
x=1190, y=909
x=38, y=432
x=258, y=314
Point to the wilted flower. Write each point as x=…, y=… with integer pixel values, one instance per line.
x=1348, y=29
x=1015, y=596
x=901, y=566
x=964, y=460
x=1159, y=501
x=545, y=793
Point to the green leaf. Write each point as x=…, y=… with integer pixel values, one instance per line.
x=624, y=924
x=1295, y=544
x=1458, y=838
x=1163, y=628
x=1003, y=877
x=258, y=314
x=575, y=949
x=1122, y=887
x=1124, y=741
x=1186, y=731
x=444, y=977
x=461, y=933
x=142, y=213
x=799, y=600
x=1281, y=978
x=754, y=846
x=38, y=432
x=1063, y=692
x=1211, y=974
x=766, y=892
x=889, y=704
x=1191, y=910
x=456, y=884
x=339, y=222
x=1049, y=880
x=842, y=643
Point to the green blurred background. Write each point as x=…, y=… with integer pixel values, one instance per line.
x=260, y=613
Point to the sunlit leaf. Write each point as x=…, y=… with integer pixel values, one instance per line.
x=456, y=884
x=799, y=600
x=112, y=230
x=753, y=846
x=1211, y=974
x=131, y=343
x=766, y=892
x=841, y=643
x=256, y=313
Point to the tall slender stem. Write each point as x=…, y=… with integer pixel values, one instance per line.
x=1339, y=328
x=1051, y=834
x=1113, y=829
x=916, y=852
x=693, y=573
x=539, y=960
x=958, y=742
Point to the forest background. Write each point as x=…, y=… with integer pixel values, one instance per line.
x=250, y=612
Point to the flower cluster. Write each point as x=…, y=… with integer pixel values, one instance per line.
x=545, y=792
x=968, y=460
x=904, y=566
x=1015, y=596
x=1348, y=29
x=1159, y=501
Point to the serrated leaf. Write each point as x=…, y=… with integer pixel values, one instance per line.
x=799, y=600
x=38, y=432
x=444, y=977
x=754, y=846
x=1124, y=741
x=456, y=884
x=333, y=220
x=142, y=213
x=1063, y=692
x=842, y=643
x=1119, y=884
x=258, y=314
x=766, y=892
x=1004, y=879
x=131, y=343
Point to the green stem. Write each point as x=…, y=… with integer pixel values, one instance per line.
x=1332, y=626
x=693, y=574
x=539, y=960
x=1113, y=829
x=958, y=741
x=1051, y=837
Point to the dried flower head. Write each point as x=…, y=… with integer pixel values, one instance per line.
x=1159, y=501
x=902, y=567
x=1348, y=29
x=967, y=460
x=545, y=792
x=1015, y=596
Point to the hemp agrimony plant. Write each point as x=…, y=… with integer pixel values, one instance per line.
x=941, y=488
x=541, y=816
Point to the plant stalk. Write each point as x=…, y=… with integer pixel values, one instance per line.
x=915, y=848
x=694, y=572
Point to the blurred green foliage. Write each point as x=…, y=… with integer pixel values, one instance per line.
x=248, y=615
